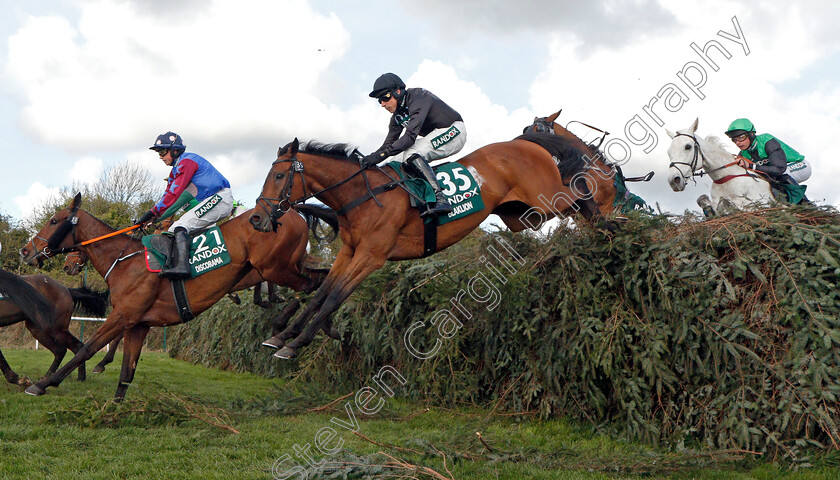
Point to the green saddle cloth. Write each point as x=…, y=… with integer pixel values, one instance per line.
x=457, y=184
x=207, y=252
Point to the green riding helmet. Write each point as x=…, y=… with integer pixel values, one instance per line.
x=740, y=127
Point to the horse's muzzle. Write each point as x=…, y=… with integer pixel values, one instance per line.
x=31, y=258
x=677, y=183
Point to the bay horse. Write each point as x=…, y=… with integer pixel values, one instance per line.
x=75, y=261
x=733, y=186
x=141, y=299
x=519, y=180
x=46, y=308
x=606, y=174
x=252, y=279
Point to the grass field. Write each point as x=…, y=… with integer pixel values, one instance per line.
x=182, y=421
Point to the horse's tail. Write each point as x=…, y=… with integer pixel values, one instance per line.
x=29, y=300
x=315, y=213
x=90, y=301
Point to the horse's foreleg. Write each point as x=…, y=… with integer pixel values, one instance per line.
x=344, y=285
x=131, y=354
x=345, y=255
x=110, y=329
x=10, y=375
x=109, y=355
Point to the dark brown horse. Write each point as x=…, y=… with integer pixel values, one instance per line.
x=141, y=299
x=519, y=180
x=46, y=308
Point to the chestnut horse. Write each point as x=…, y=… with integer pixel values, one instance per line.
x=74, y=262
x=141, y=299
x=46, y=308
x=605, y=174
x=519, y=180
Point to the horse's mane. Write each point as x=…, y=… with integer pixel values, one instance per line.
x=341, y=151
x=718, y=148
x=570, y=158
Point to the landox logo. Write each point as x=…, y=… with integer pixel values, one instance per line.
x=460, y=197
x=214, y=200
x=442, y=139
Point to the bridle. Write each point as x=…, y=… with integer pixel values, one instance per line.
x=698, y=154
x=68, y=226
x=276, y=207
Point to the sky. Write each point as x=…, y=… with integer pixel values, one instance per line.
x=88, y=84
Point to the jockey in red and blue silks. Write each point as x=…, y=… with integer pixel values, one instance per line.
x=192, y=180
x=193, y=174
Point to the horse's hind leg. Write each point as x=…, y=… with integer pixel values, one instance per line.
x=109, y=355
x=273, y=293
x=132, y=346
x=51, y=343
x=67, y=340
x=283, y=319
x=10, y=375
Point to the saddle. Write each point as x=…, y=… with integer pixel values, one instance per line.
x=207, y=252
x=458, y=184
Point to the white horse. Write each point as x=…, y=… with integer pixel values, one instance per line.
x=734, y=186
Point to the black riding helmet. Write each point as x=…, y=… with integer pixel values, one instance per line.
x=388, y=82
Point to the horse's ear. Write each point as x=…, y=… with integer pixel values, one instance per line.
x=295, y=146
x=670, y=133
x=77, y=201
x=693, y=127
x=553, y=117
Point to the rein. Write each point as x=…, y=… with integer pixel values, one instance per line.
x=284, y=203
x=698, y=153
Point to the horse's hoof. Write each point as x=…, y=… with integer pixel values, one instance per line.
x=264, y=304
x=333, y=333
x=35, y=390
x=286, y=353
x=98, y=369
x=24, y=382
x=273, y=342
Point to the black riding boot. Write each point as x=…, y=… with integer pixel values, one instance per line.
x=426, y=173
x=179, y=256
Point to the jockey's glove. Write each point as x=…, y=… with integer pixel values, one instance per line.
x=146, y=218
x=372, y=159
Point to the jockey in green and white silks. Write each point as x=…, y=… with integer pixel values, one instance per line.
x=768, y=154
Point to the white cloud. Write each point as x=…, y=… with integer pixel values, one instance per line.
x=234, y=69
x=37, y=195
x=237, y=80
x=86, y=170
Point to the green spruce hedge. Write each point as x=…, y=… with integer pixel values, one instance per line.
x=724, y=332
